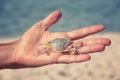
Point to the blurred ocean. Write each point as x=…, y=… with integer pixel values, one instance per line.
x=16, y=16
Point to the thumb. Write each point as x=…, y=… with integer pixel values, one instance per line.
x=43, y=25
x=52, y=19
x=47, y=22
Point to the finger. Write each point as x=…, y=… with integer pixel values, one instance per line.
x=91, y=49
x=73, y=58
x=103, y=41
x=76, y=34
x=52, y=19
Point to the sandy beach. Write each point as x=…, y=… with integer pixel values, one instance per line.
x=102, y=66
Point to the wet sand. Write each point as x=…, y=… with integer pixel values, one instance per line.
x=102, y=66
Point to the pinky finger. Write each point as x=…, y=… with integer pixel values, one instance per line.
x=73, y=58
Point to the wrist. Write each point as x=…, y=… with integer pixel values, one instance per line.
x=7, y=54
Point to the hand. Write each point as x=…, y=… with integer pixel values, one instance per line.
x=38, y=34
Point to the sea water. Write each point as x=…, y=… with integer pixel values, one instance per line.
x=16, y=16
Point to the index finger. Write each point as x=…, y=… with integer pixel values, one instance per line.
x=80, y=33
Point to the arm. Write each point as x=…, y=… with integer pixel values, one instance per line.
x=7, y=51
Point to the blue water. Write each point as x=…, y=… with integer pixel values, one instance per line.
x=16, y=16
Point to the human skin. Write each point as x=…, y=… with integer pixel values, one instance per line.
x=22, y=52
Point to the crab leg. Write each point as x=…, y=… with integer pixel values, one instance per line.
x=73, y=51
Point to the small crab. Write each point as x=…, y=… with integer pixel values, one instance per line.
x=63, y=45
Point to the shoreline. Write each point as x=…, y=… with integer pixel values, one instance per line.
x=8, y=39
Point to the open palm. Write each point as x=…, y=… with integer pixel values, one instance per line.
x=38, y=34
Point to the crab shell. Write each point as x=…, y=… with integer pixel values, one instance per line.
x=60, y=44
